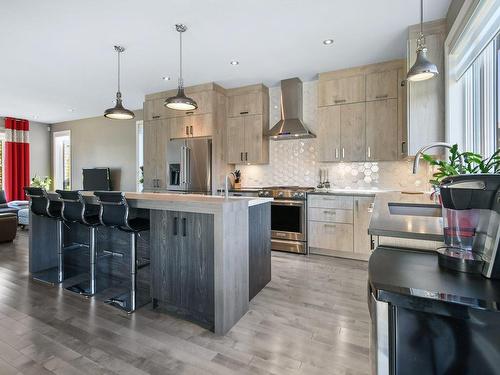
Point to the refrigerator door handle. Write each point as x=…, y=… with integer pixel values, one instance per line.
x=187, y=166
x=182, y=169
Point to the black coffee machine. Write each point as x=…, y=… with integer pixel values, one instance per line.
x=471, y=224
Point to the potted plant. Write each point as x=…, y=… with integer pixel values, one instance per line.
x=237, y=179
x=43, y=182
x=462, y=163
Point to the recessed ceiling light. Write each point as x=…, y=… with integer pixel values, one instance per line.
x=328, y=42
x=71, y=110
x=234, y=62
x=35, y=117
x=166, y=78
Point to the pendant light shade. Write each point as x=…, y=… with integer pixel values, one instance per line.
x=118, y=112
x=422, y=69
x=180, y=102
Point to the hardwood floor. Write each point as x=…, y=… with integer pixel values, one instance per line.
x=312, y=318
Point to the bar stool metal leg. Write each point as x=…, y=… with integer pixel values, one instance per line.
x=93, y=255
x=60, y=254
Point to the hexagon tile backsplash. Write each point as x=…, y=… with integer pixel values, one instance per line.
x=294, y=162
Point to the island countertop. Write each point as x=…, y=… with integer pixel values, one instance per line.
x=383, y=223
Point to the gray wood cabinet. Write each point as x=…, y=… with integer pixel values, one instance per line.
x=355, y=107
x=247, y=122
x=182, y=264
x=382, y=130
x=156, y=134
x=426, y=99
x=195, y=125
x=363, y=207
x=338, y=225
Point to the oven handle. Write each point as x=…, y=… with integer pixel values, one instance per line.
x=287, y=203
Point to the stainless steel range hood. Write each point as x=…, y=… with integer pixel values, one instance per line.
x=291, y=125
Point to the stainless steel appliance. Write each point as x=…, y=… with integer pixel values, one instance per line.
x=471, y=224
x=189, y=164
x=288, y=217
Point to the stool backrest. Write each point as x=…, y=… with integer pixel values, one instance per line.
x=114, y=208
x=73, y=205
x=39, y=200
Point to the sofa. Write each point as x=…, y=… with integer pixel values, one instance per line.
x=8, y=226
x=6, y=207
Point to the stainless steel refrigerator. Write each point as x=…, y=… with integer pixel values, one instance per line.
x=189, y=164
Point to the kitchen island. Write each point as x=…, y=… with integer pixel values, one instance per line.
x=199, y=252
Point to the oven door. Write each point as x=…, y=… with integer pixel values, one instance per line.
x=288, y=220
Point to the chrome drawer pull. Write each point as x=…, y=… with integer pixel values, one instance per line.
x=381, y=96
x=330, y=212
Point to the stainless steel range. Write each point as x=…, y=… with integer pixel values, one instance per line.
x=288, y=217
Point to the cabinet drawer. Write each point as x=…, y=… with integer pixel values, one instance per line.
x=330, y=201
x=331, y=236
x=331, y=215
x=341, y=91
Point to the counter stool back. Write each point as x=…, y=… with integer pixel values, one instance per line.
x=42, y=205
x=76, y=210
x=115, y=213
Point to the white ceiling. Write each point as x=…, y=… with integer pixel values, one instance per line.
x=58, y=54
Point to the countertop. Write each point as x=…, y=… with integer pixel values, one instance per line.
x=414, y=279
x=383, y=223
x=357, y=192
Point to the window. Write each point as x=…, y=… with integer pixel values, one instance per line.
x=62, y=160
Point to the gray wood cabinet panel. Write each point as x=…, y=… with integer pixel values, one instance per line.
x=382, y=130
x=182, y=264
x=362, y=214
x=259, y=247
x=352, y=132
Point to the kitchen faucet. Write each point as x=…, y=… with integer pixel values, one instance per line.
x=432, y=145
x=226, y=185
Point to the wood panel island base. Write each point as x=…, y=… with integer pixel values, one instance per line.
x=200, y=253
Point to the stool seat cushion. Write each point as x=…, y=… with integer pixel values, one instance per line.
x=137, y=224
x=24, y=216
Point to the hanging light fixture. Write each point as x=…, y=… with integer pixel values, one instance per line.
x=118, y=112
x=180, y=101
x=422, y=69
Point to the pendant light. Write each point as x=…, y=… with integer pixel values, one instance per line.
x=180, y=102
x=422, y=69
x=118, y=112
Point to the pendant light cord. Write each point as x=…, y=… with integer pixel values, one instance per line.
x=118, y=71
x=181, y=82
x=421, y=17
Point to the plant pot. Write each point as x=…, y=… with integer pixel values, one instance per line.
x=237, y=185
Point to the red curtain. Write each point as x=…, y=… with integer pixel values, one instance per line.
x=17, y=158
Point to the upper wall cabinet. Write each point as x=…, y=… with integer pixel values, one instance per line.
x=426, y=106
x=341, y=90
x=245, y=103
x=382, y=85
x=361, y=113
x=247, y=122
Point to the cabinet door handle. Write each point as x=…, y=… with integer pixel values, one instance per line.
x=244, y=113
x=191, y=130
x=330, y=225
x=189, y=113
x=330, y=212
x=356, y=203
x=343, y=153
x=369, y=152
x=176, y=225
x=156, y=116
x=241, y=156
x=336, y=153
x=184, y=227
x=340, y=100
x=246, y=156
x=187, y=130
x=403, y=144
x=381, y=96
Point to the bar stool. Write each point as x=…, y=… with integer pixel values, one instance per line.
x=41, y=267
x=75, y=210
x=114, y=213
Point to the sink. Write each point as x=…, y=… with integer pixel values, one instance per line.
x=415, y=209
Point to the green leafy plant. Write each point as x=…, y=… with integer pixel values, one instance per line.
x=237, y=175
x=43, y=182
x=472, y=164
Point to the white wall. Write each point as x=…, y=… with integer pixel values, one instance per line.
x=100, y=142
